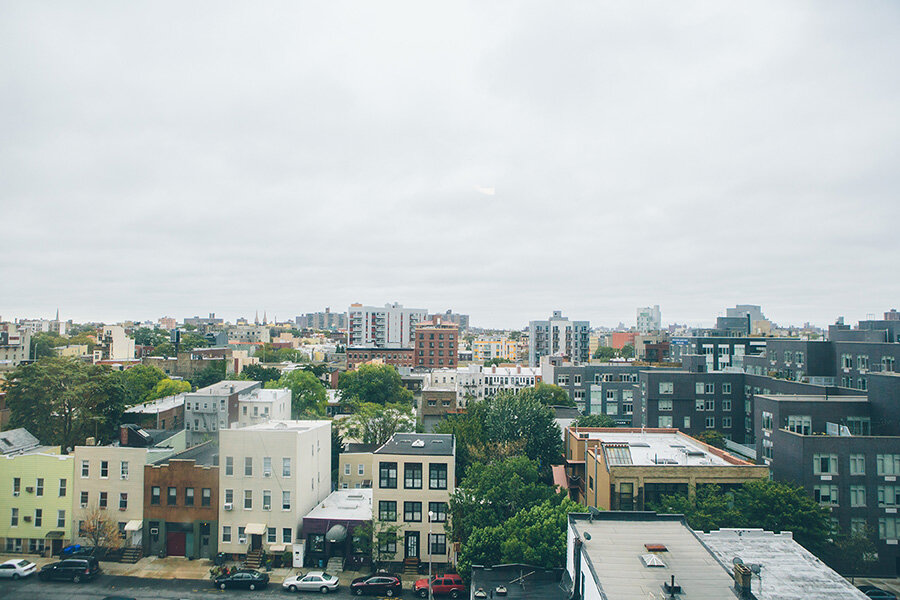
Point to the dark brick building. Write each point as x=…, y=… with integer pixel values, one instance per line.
x=437, y=344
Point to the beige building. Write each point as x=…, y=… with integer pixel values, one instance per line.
x=270, y=475
x=632, y=468
x=355, y=468
x=497, y=347
x=416, y=473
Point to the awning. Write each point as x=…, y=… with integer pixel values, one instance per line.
x=134, y=525
x=277, y=548
x=55, y=535
x=255, y=528
x=337, y=533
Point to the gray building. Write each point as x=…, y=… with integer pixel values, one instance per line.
x=558, y=336
x=719, y=351
x=323, y=320
x=214, y=407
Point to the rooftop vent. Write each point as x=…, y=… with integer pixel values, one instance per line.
x=438, y=441
x=639, y=444
x=652, y=560
x=656, y=547
x=418, y=444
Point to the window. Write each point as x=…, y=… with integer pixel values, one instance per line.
x=665, y=405
x=562, y=380
x=123, y=469
x=887, y=464
x=710, y=422
x=123, y=501
x=664, y=421
x=800, y=424
x=85, y=469
x=412, y=511
x=387, y=510
x=726, y=422
x=39, y=486
x=387, y=543
x=104, y=469
x=711, y=404
x=248, y=499
x=710, y=388
x=188, y=496
x=726, y=405
x=437, y=476
x=857, y=526
x=859, y=425
x=825, y=464
x=229, y=496
x=857, y=495
x=439, y=510
x=361, y=469
x=172, y=496
x=267, y=499
x=229, y=465
x=857, y=464
x=286, y=466
x=888, y=495
x=226, y=534
x=666, y=387
x=846, y=361
x=271, y=535
x=103, y=500
x=61, y=518
x=286, y=500
x=687, y=422
x=347, y=469
x=438, y=543
x=700, y=404
x=862, y=361
x=387, y=475
x=62, y=488
x=242, y=537
x=612, y=409
x=826, y=495
x=84, y=499
x=38, y=517
x=888, y=528
x=267, y=466
x=698, y=387
x=248, y=466
x=17, y=485
x=767, y=421
x=726, y=388
x=154, y=495
x=14, y=518
x=286, y=535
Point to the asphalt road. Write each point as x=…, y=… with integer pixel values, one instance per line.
x=150, y=589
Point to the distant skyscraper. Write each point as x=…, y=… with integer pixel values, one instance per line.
x=388, y=326
x=649, y=319
x=558, y=336
x=742, y=310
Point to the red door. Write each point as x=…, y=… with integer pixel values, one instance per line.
x=175, y=543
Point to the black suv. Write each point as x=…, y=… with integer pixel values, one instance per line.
x=71, y=569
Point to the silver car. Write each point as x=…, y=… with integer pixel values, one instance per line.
x=17, y=568
x=314, y=581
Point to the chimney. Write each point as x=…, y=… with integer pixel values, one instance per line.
x=742, y=577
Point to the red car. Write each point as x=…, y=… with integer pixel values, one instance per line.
x=441, y=585
x=381, y=584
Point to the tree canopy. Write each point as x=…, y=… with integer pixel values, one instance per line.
x=260, y=373
x=378, y=384
x=168, y=387
x=62, y=401
x=373, y=423
x=595, y=420
x=308, y=394
x=711, y=437
x=213, y=373
x=144, y=336
x=139, y=382
x=43, y=343
x=548, y=394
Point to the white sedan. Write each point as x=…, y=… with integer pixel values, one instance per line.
x=314, y=581
x=17, y=568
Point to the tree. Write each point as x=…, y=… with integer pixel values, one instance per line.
x=190, y=340
x=594, y=420
x=549, y=394
x=378, y=384
x=64, y=400
x=144, y=336
x=43, y=343
x=139, y=381
x=100, y=529
x=627, y=351
x=373, y=423
x=491, y=362
x=605, y=353
x=165, y=349
x=260, y=373
x=381, y=535
x=168, y=387
x=213, y=373
x=854, y=553
x=711, y=437
x=308, y=396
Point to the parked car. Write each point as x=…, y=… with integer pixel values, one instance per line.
x=71, y=569
x=379, y=583
x=77, y=551
x=17, y=568
x=314, y=581
x=246, y=579
x=880, y=594
x=441, y=585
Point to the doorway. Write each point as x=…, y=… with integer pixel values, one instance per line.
x=411, y=544
x=255, y=542
x=175, y=543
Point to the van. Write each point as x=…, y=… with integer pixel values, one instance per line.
x=71, y=569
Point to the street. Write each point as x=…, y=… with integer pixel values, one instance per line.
x=145, y=589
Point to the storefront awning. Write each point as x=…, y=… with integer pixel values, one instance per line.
x=55, y=535
x=134, y=525
x=337, y=533
x=277, y=548
x=255, y=528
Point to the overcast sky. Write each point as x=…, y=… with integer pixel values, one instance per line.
x=503, y=159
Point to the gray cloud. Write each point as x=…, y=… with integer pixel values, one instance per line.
x=162, y=158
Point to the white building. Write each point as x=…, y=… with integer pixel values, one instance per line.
x=115, y=343
x=250, y=334
x=390, y=326
x=475, y=382
x=262, y=405
x=649, y=319
x=15, y=345
x=270, y=475
x=214, y=407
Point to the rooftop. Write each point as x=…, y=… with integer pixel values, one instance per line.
x=265, y=395
x=158, y=406
x=205, y=454
x=285, y=426
x=523, y=582
x=226, y=387
x=352, y=505
x=789, y=571
x=16, y=441
x=624, y=447
x=434, y=444
x=813, y=398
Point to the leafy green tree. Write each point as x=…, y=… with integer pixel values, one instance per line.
x=853, y=553
x=43, y=343
x=379, y=384
x=492, y=362
x=261, y=373
x=374, y=423
x=165, y=349
x=627, y=351
x=606, y=353
x=62, y=401
x=712, y=437
x=144, y=336
x=595, y=420
x=492, y=493
x=337, y=446
x=213, y=373
x=86, y=338
x=308, y=396
x=190, y=340
x=549, y=395
x=139, y=381
x=168, y=387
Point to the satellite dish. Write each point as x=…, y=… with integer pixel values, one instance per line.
x=737, y=560
x=756, y=568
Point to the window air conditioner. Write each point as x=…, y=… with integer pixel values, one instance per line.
x=29, y=489
x=267, y=507
x=15, y=493
x=267, y=473
x=124, y=476
x=242, y=540
x=229, y=506
x=154, y=530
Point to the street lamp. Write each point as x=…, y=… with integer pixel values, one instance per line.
x=430, y=520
